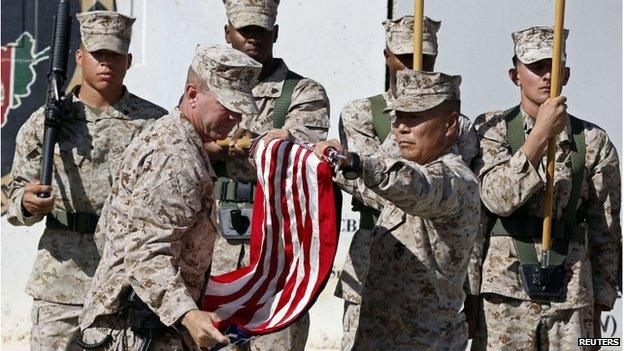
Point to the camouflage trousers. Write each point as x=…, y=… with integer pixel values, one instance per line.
x=54, y=326
x=293, y=338
x=510, y=324
x=350, y=319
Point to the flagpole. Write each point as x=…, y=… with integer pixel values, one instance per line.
x=555, y=90
x=418, y=33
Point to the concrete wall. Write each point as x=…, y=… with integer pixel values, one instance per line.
x=339, y=43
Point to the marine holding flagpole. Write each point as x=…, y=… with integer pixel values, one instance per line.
x=552, y=236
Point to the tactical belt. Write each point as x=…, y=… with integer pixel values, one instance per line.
x=84, y=223
x=524, y=228
x=531, y=227
x=233, y=191
x=133, y=313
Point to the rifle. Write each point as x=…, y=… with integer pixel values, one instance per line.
x=54, y=97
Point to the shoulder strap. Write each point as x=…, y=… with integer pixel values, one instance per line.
x=381, y=122
x=578, y=168
x=282, y=103
x=515, y=129
x=525, y=247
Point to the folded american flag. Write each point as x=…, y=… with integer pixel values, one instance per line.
x=294, y=235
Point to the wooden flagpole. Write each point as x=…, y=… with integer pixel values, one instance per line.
x=418, y=33
x=555, y=90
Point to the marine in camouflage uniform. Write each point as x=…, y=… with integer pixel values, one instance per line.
x=419, y=249
x=359, y=130
x=158, y=224
x=251, y=29
x=91, y=141
x=512, y=184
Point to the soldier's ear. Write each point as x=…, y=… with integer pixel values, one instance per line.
x=566, y=75
x=129, y=61
x=79, y=56
x=226, y=32
x=275, y=32
x=513, y=76
x=452, y=128
x=191, y=94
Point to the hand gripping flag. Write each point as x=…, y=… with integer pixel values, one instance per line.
x=294, y=235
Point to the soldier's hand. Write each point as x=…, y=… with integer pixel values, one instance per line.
x=278, y=134
x=35, y=205
x=215, y=152
x=321, y=147
x=236, y=151
x=551, y=117
x=243, y=133
x=199, y=324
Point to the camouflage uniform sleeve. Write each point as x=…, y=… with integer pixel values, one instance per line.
x=26, y=167
x=358, y=189
x=603, y=220
x=429, y=191
x=308, y=114
x=472, y=285
x=358, y=133
x=507, y=181
x=468, y=142
x=161, y=211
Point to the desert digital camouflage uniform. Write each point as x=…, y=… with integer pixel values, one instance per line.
x=158, y=226
x=510, y=319
x=90, y=144
x=419, y=250
x=307, y=120
x=358, y=133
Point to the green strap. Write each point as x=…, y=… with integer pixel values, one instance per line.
x=280, y=110
x=381, y=120
x=282, y=103
x=524, y=228
x=381, y=124
x=515, y=129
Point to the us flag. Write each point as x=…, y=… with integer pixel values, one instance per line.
x=293, y=242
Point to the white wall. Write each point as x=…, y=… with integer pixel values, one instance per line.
x=339, y=44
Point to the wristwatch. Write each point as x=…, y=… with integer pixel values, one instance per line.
x=352, y=171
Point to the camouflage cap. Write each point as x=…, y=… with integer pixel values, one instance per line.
x=536, y=43
x=105, y=30
x=242, y=13
x=400, y=35
x=229, y=74
x=420, y=91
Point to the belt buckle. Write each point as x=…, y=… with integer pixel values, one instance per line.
x=71, y=221
x=243, y=192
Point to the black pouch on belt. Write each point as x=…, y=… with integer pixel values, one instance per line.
x=144, y=322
